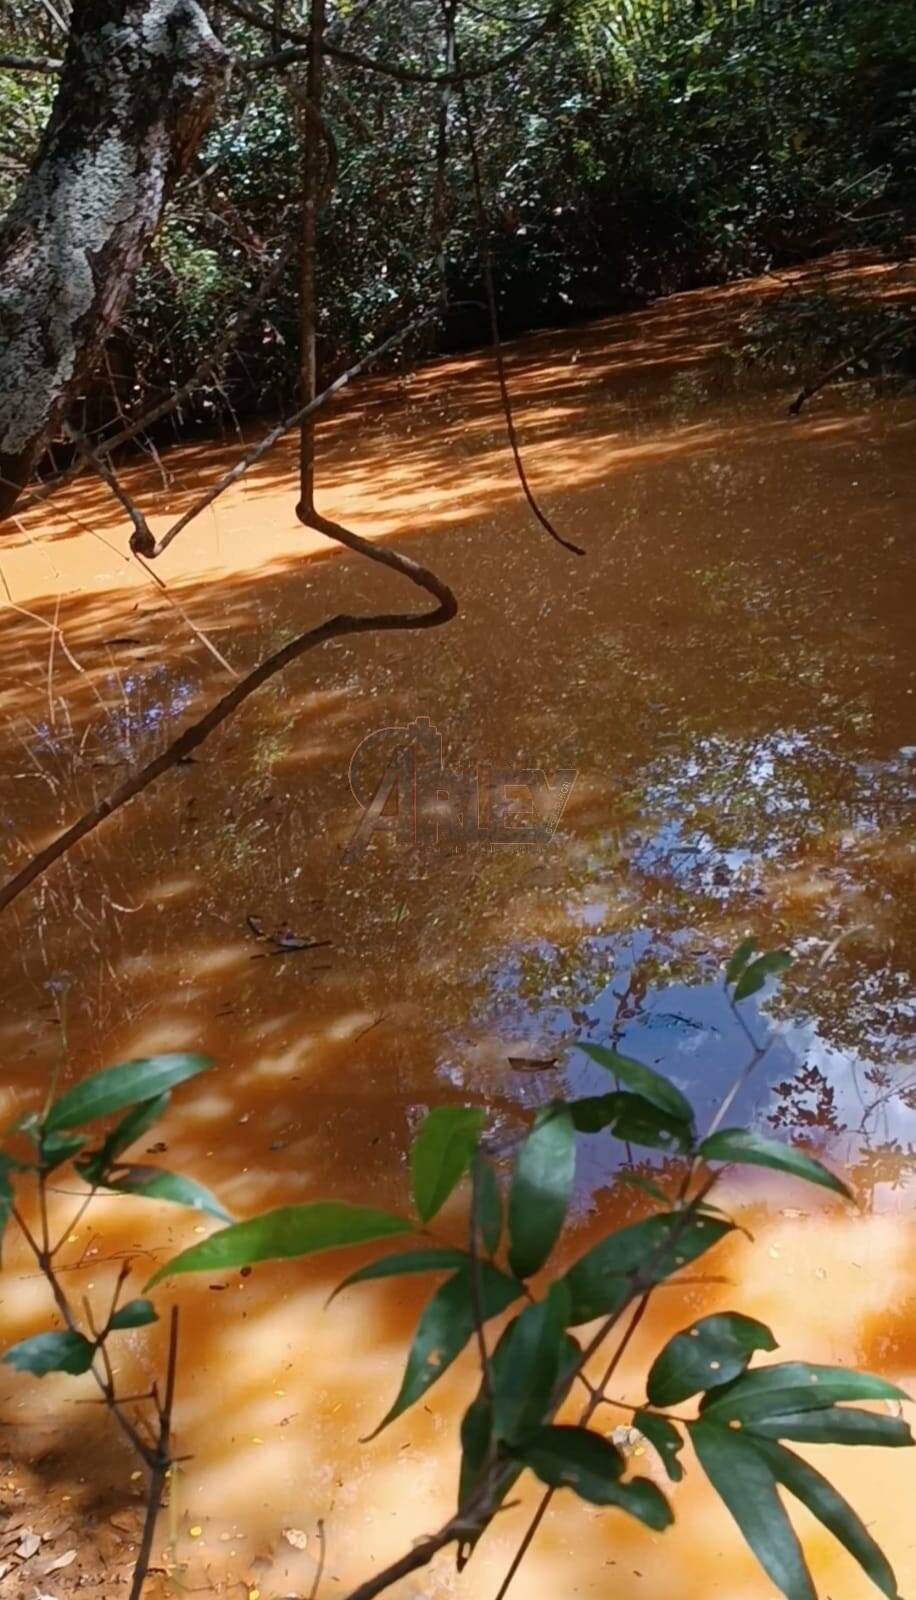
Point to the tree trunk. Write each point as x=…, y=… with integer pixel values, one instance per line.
x=139, y=83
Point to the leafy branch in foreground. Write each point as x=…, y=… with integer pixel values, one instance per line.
x=141, y=1091
x=744, y=1413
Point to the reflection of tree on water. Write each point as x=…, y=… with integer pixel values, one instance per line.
x=802, y=841
x=836, y=1069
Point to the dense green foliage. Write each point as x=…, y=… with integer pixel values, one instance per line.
x=637, y=147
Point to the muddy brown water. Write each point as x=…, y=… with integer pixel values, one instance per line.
x=731, y=673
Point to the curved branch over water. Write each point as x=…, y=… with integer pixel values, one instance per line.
x=334, y=628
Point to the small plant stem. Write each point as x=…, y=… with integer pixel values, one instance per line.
x=43, y=1209
x=322, y=1556
x=479, y=1511
x=159, y=1464
x=74, y=1223
x=105, y=1378
x=595, y=1400
x=123, y=1275
x=476, y=1294
x=758, y=1051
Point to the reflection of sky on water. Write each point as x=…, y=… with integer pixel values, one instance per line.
x=719, y=822
x=733, y=804
x=140, y=704
x=857, y=1112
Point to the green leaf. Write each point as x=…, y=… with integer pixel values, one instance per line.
x=631, y=1118
x=634, y=1258
x=595, y=1112
x=476, y=1438
x=755, y=976
x=823, y=1501
x=135, y=1314
x=834, y=1425
x=744, y=1481
x=55, y=1148
x=790, y=1386
x=639, y=1122
x=51, y=1352
x=121, y=1086
x=541, y=1186
x=439, y=1258
x=153, y=1183
x=665, y=1437
x=441, y=1153
x=137, y=1121
x=277, y=1235
x=710, y=1352
x=659, y=1091
x=488, y=1205
x=750, y=1148
x=578, y=1459
x=445, y=1326
x=739, y=959
x=526, y=1364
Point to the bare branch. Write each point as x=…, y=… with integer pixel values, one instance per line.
x=355, y=58
x=270, y=439
x=55, y=15
x=142, y=541
x=46, y=64
x=333, y=628
x=487, y=266
x=161, y=1464
x=886, y=336
x=322, y=1557
x=267, y=25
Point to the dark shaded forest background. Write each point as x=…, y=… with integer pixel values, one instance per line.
x=639, y=147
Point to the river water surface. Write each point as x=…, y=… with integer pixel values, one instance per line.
x=730, y=672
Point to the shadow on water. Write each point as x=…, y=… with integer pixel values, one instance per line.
x=731, y=673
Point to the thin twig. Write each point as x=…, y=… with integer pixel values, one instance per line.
x=15, y=63
x=886, y=336
x=142, y=541
x=355, y=58
x=270, y=439
x=333, y=628
x=476, y=1287
x=104, y=1378
x=595, y=1400
x=322, y=1556
x=486, y=263
x=160, y=1465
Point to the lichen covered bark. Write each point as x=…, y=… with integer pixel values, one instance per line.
x=138, y=86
